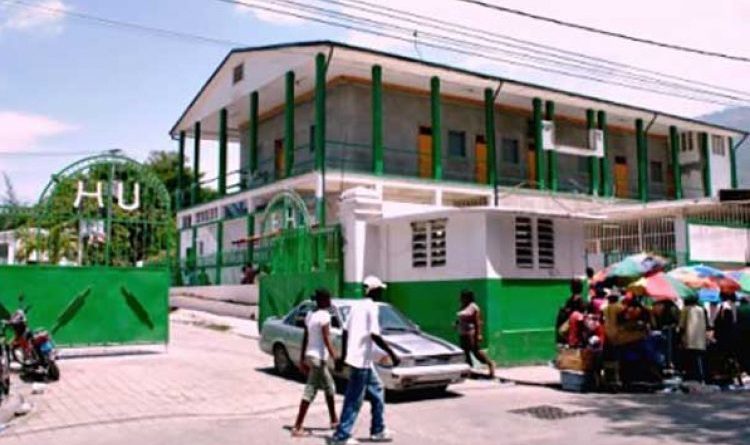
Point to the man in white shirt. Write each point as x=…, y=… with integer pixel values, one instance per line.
x=316, y=347
x=361, y=334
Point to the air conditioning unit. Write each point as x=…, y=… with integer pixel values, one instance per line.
x=596, y=142
x=690, y=152
x=548, y=135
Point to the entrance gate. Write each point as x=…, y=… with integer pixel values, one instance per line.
x=93, y=255
x=296, y=257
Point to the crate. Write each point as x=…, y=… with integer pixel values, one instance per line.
x=573, y=381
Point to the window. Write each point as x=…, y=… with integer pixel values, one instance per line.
x=419, y=244
x=524, y=243
x=657, y=172
x=238, y=73
x=428, y=243
x=4, y=253
x=717, y=146
x=235, y=209
x=206, y=215
x=437, y=243
x=457, y=143
x=545, y=231
x=187, y=221
x=509, y=151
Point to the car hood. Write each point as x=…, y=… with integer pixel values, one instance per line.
x=412, y=343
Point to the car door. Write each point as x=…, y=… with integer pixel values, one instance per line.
x=295, y=330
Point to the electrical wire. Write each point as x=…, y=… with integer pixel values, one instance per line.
x=327, y=20
x=161, y=32
x=606, y=32
x=481, y=40
x=514, y=42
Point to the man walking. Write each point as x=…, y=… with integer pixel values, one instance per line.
x=361, y=334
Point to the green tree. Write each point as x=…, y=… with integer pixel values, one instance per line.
x=165, y=164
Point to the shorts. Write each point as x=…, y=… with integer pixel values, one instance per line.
x=319, y=378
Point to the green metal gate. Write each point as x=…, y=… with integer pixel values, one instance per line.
x=93, y=255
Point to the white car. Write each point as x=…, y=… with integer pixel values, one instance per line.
x=426, y=361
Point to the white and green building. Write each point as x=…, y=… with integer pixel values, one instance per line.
x=438, y=179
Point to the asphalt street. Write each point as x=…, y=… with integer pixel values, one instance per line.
x=214, y=386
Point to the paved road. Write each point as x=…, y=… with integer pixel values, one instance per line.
x=214, y=387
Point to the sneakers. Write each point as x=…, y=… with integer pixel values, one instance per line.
x=383, y=436
x=349, y=441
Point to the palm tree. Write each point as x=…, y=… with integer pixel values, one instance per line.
x=31, y=244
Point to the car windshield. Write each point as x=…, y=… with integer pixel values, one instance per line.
x=390, y=319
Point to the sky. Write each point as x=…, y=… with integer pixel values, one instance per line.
x=71, y=87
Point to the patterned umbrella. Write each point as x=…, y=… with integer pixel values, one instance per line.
x=742, y=277
x=660, y=286
x=709, y=281
x=632, y=267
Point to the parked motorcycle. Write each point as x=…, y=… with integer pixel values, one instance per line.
x=33, y=350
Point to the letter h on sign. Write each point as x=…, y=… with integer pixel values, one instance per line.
x=120, y=192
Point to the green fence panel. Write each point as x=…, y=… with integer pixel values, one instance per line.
x=519, y=315
x=91, y=306
x=521, y=318
x=279, y=293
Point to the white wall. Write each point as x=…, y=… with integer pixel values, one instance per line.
x=466, y=250
x=501, y=259
x=718, y=244
x=721, y=169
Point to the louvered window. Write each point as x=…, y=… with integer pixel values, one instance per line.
x=524, y=243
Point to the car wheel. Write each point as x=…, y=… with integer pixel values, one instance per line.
x=282, y=364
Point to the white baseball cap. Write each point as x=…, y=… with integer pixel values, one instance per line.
x=373, y=282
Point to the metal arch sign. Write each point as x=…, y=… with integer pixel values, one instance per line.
x=119, y=195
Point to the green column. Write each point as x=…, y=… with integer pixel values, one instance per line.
x=642, y=157
x=732, y=162
x=674, y=147
x=377, y=120
x=180, y=172
x=541, y=171
x=289, y=125
x=250, y=232
x=706, y=154
x=219, y=250
x=605, y=169
x=489, y=129
x=252, y=138
x=223, y=152
x=594, y=164
x=552, y=159
x=192, y=259
x=437, y=131
x=195, y=189
x=320, y=135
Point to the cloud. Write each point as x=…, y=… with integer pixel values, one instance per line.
x=270, y=17
x=23, y=131
x=47, y=14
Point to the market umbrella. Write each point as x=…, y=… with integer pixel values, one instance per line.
x=697, y=276
x=742, y=277
x=660, y=286
x=631, y=267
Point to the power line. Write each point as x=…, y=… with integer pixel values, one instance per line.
x=606, y=32
x=161, y=32
x=606, y=67
x=328, y=19
x=515, y=42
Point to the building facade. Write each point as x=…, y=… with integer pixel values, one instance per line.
x=440, y=179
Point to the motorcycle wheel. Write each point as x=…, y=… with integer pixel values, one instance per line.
x=53, y=371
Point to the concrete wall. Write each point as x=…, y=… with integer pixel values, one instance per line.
x=501, y=245
x=465, y=257
x=721, y=169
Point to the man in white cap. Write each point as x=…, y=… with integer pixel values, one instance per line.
x=361, y=334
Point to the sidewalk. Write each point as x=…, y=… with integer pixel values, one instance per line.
x=530, y=375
